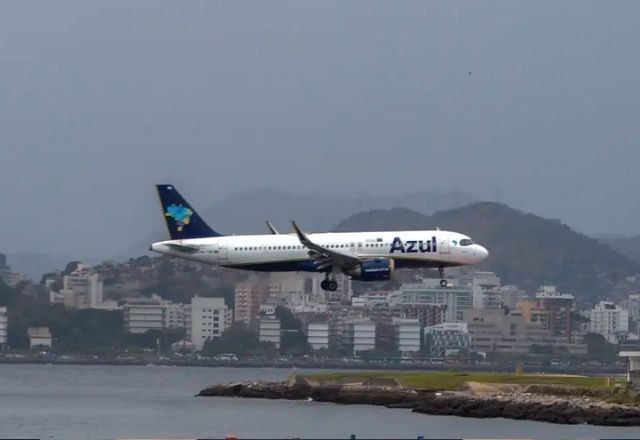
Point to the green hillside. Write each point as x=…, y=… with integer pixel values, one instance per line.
x=627, y=246
x=525, y=249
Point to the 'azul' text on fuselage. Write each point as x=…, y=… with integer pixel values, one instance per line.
x=413, y=246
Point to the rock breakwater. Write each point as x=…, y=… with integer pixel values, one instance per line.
x=564, y=409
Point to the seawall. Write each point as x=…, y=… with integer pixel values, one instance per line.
x=516, y=405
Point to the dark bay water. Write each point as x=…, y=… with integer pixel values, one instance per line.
x=107, y=402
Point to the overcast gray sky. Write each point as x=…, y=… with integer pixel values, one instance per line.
x=536, y=100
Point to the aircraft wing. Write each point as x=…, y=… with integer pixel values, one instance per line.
x=326, y=257
x=183, y=248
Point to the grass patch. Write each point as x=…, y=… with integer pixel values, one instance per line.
x=455, y=380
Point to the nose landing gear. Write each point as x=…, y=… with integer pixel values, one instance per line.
x=443, y=282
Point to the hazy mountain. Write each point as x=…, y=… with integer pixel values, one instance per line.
x=627, y=246
x=525, y=249
x=34, y=265
x=246, y=213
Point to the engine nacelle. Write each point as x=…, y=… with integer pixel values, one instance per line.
x=378, y=269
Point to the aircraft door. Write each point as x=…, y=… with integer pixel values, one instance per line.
x=352, y=247
x=443, y=245
x=221, y=252
x=224, y=256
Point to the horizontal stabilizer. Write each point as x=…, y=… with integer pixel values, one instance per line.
x=183, y=248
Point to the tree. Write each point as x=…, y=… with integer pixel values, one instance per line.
x=237, y=339
x=71, y=266
x=293, y=341
x=287, y=319
x=7, y=294
x=598, y=348
x=47, y=276
x=546, y=349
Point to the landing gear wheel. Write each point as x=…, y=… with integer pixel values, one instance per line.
x=324, y=285
x=443, y=282
x=333, y=285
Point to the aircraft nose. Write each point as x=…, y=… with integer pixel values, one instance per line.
x=482, y=253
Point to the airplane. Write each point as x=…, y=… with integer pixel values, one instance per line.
x=364, y=256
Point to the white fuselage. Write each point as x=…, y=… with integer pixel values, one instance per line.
x=284, y=252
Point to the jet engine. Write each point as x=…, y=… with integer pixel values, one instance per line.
x=378, y=269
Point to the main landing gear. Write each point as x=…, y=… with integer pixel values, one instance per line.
x=443, y=282
x=329, y=284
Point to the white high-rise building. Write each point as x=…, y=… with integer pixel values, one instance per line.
x=445, y=338
x=457, y=298
x=512, y=295
x=144, y=314
x=318, y=335
x=39, y=337
x=633, y=306
x=407, y=334
x=609, y=320
x=486, y=290
x=4, y=325
x=82, y=289
x=154, y=313
x=362, y=336
x=209, y=318
x=287, y=289
x=176, y=316
x=269, y=330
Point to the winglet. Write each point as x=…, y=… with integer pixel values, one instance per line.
x=273, y=230
x=303, y=238
x=341, y=259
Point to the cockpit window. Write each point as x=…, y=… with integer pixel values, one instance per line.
x=466, y=242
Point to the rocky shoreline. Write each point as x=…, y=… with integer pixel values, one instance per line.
x=519, y=405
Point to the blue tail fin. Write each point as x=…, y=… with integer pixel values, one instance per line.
x=182, y=220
